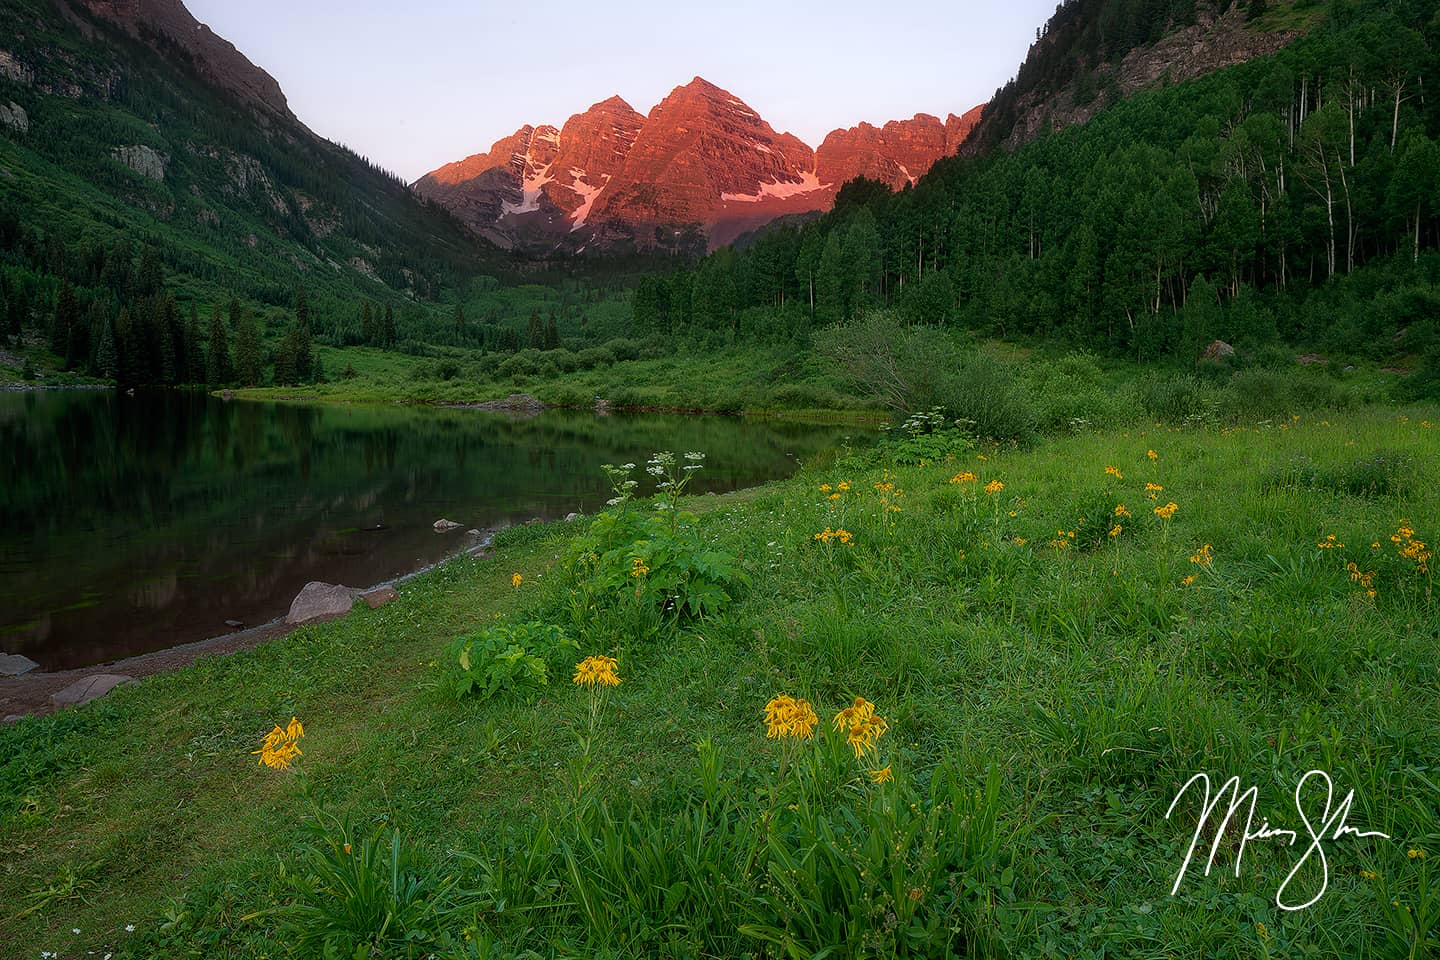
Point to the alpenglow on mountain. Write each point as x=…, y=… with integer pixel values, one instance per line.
x=702, y=169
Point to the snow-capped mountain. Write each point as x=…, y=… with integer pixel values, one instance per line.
x=702, y=168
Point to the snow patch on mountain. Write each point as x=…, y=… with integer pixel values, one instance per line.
x=779, y=190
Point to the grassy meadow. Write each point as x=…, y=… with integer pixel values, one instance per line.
x=1050, y=640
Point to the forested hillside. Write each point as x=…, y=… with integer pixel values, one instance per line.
x=137, y=192
x=1291, y=200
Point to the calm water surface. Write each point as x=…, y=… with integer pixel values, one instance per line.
x=130, y=524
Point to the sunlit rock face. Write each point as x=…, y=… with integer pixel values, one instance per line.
x=702, y=168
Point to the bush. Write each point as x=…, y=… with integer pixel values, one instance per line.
x=652, y=562
x=926, y=438
x=1071, y=394
x=987, y=391
x=502, y=660
x=1182, y=399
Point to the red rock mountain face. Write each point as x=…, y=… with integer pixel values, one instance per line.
x=213, y=55
x=701, y=168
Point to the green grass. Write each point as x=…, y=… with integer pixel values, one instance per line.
x=752, y=379
x=1087, y=682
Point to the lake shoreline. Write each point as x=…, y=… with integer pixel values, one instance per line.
x=29, y=694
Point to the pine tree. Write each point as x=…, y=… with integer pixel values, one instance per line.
x=247, y=352
x=217, y=357
x=302, y=309
x=535, y=335
x=367, y=324
x=389, y=332
x=459, y=320
x=552, y=333
x=107, y=360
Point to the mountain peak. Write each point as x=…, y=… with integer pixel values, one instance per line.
x=702, y=165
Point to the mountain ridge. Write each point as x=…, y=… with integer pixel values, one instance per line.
x=699, y=170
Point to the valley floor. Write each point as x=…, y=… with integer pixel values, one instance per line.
x=1055, y=649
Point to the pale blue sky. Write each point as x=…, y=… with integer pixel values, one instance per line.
x=416, y=84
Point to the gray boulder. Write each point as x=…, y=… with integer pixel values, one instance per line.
x=445, y=526
x=14, y=117
x=13, y=665
x=83, y=691
x=320, y=601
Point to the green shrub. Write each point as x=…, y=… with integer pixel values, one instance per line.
x=652, y=561
x=987, y=391
x=502, y=660
x=926, y=438
x=1182, y=399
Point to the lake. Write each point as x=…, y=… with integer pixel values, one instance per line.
x=134, y=523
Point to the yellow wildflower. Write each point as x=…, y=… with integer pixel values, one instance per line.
x=597, y=670
x=844, y=486
x=280, y=747
x=1152, y=455
x=883, y=775
x=787, y=716
x=516, y=579
x=1369, y=874
x=1189, y=580
x=1116, y=530
x=965, y=476
x=994, y=487
x=824, y=488
x=1414, y=854
x=1114, y=472
x=1167, y=511
x=1202, y=557
x=1330, y=543
x=1410, y=548
x=1151, y=489
x=1121, y=510
x=861, y=726
x=981, y=456
x=638, y=567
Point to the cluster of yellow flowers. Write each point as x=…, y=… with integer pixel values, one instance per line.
x=842, y=487
x=1415, y=854
x=1410, y=548
x=787, y=716
x=994, y=487
x=516, y=579
x=280, y=747
x=1366, y=578
x=1330, y=543
x=597, y=671
x=1202, y=557
x=964, y=476
x=1152, y=489
x=1116, y=530
x=793, y=718
x=1111, y=471
x=862, y=727
x=1063, y=539
x=1152, y=455
x=890, y=495
x=1121, y=511
x=638, y=567
x=842, y=536
x=1167, y=511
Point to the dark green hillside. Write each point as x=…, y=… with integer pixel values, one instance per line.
x=129, y=176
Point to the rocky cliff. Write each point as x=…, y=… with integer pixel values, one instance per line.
x=701, y=168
